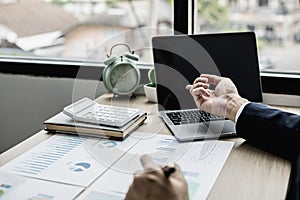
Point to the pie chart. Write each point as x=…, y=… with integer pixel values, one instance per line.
x=80, y=167
x=108, y=144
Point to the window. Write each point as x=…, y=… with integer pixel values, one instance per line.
x=56, y=35
x=74, y=29
x=275, y=22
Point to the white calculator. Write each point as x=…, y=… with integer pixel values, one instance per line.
x=87, y=110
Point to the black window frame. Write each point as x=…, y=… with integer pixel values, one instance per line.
x=60, y=68
x=263, y=3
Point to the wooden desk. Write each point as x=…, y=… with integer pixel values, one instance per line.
x=249, y=173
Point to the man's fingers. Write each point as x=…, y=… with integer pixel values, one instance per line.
x=137, y=172
x=211, y=79
x=200, y=79
x=197, y=85
x=178, y=173
x=188, y=87
x=200, y=91
x=137, y=190
x=148, y=163
x=200, y=84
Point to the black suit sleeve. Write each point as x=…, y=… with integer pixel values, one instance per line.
x=270, y=129
x=275, y=131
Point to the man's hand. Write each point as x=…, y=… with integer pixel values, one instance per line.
x=224, y=100
x=152, y=184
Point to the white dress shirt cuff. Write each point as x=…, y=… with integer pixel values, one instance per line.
x=240, y=111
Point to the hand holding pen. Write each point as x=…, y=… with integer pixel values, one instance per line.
x=169, y=169
x=158, y=183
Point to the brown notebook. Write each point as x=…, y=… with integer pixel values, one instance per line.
x=61, y=123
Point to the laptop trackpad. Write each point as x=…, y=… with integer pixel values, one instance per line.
x=209, y=130
x=225, y=127
x=191, y=132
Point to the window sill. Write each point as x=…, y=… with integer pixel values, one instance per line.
x=281, y=99
x=278, y=88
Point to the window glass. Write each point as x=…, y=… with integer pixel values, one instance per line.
x=71, y=29
x=275, y=22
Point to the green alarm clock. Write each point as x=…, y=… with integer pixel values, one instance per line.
x=121, y=75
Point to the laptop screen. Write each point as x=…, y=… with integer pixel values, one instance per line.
x=179, y=59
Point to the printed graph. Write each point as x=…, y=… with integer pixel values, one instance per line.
x=38, y=161
x=80, y=167
x=61, y=158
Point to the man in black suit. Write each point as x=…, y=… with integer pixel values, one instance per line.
x=280, y=136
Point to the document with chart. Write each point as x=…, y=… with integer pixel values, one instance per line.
x=200, y=162
x=105, y=168
x=69, y=159
x=17, y=187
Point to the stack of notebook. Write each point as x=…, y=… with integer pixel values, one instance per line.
x=61, y=123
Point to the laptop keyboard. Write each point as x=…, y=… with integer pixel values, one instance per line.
x=191, y=116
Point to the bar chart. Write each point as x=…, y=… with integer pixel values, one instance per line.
x=61, y=158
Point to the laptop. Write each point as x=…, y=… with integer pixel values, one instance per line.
x=179, y=59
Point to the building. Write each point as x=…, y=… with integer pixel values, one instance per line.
x=274, y=20
x=42, y=28
x=101, y=26
x=76, y=28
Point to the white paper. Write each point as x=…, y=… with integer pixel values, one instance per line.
x=201, y=163
x=69, y=159
x=80, y=161
x=21, y=188
x=90, y=194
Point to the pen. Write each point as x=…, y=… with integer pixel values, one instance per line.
x=169, y=169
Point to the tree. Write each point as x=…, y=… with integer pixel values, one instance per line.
x=59, y=2
x=212, y=11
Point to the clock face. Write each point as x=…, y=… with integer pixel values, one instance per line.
x=124, y=78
